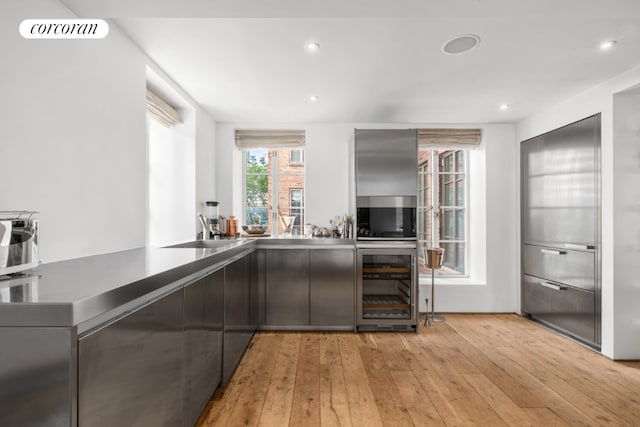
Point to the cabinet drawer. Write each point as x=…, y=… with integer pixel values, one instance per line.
x=568, y=308
x=574, y=268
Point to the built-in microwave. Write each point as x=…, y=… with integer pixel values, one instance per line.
x=386, y=217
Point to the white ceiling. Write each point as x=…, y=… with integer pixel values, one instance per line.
x=379, y=60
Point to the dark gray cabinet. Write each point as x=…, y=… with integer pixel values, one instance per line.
x=331, y=287
x=129, y=372
x=561, y=234
x=309, y=288
x=287, y=287
x=239, y=322
x=202, y=343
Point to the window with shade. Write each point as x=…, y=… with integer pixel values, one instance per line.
x=443, y=196
x=442, y=213
x=273, y=179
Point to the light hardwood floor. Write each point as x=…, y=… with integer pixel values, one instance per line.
x=485, y=370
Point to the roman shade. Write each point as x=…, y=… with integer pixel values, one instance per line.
x=160, y=111
x=248, y=139
x=449, y=138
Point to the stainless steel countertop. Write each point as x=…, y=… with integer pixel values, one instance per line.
x=90, y=289
x=67, y=293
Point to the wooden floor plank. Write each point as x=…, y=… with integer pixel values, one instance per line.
x=544, y=417
x=416, y=399
x=279, y=398
x=224, y=400
x=305, y=410
x=334, y=404
x=362, y=405
x=390, y=405
x=476, y=369
x=511, y=413
x=507, y=384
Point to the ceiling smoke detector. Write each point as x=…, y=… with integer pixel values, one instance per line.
x=461, y=44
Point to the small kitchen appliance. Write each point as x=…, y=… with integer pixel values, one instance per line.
x=18, y=241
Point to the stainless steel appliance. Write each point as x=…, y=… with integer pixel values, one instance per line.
x=386, y=172
x=18, y=241
x=386, y=218
x=561, y=261
x=386, y=286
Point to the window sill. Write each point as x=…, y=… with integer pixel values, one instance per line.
x=466, y=281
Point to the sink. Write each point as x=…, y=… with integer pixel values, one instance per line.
x=211, y=244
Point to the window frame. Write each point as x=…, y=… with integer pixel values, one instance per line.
x=273, y=202
x=297, y=163
x=434, y=210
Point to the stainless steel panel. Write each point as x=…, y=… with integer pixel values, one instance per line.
x=386, y=201
x=257, y=288
x=37, y=377
x=574, y=268
x=381, y=323
x=560, y=173
x=287, y=287
x=202, y=343
x=570, y=309
x=386, y=162
x=130, y=370
x=237, y=314
x=332, y=287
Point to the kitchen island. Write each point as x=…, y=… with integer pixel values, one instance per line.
x=95, y=340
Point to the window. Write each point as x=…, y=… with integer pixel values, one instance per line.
x=296, y=157
x=274, y=187
x=442, y=214
x=296, y=202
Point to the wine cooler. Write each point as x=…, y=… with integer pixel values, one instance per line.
x=387, y=287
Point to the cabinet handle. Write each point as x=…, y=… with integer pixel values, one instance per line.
x=579, y=247
x=553, y=286
x=552, y=251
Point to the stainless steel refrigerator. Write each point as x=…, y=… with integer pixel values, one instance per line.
x=561, y=238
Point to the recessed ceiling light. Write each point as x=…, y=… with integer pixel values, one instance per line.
x=504, y=107
x=313, y=98
x=461, y=44
x=607, y=45
x=313, y=46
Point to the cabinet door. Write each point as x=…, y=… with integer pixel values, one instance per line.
x=287, y=287
x=129, y=372
x=202, y=345
x=559, y=185
x=386, y=162
x=332, y=287
x=237, y=314
x=568, y=308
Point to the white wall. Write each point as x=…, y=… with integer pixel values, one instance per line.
x=172, y=181
x=73, y=137
x=619, y=280
x=494, y=286
x=72, y=140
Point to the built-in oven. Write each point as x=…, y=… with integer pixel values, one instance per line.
x=386, y=217
x=386, y=286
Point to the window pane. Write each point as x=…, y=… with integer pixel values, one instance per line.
x=291, y=189
x=258, y=186
x=447, y=225
x=296, y=157
x=459, y=224
x=448, y=163
x=459, y=161
x=446, y=191
x=453, y=262
x=460, y=191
